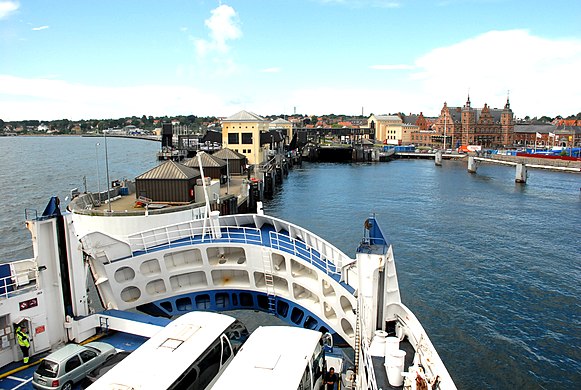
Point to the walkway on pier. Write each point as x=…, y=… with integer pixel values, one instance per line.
x=538, y=166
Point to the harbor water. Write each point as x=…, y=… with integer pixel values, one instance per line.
x=491, y=268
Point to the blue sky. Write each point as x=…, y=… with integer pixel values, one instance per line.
x=108, y=59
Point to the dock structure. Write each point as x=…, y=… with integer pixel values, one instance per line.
x=429, y=156
x=521, y=172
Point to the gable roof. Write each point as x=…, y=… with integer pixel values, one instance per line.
x=229, y=154
x=280, y=121
x=388, y=118
x=244, y=116
x=208, y=161
x=170, y=170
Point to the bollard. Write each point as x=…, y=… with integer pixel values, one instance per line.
x=471, y=164
x=521, y=173
x=438, y=158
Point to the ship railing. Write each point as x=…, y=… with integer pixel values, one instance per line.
x=366, y=347
x=191, y=233
x=187, y=234
x=300, y=249
x=18, y=277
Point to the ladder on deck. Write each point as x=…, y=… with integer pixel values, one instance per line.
x=357, y=341
x=104, y=324
x=269, y=281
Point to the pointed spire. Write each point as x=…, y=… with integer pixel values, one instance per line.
x=468, y=101
x=507, y=105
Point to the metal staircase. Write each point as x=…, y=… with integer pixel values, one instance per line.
x=269, y=280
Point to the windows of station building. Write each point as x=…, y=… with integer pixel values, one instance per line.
x=247, y=138
x=233, y=138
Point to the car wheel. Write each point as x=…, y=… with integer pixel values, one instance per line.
x=67, y=386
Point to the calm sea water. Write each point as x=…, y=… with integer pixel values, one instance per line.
x=32, y=169
x=492, y=269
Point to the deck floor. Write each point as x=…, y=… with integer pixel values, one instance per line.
x=379, y=368
x=21, y=379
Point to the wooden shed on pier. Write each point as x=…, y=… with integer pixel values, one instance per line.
x=213, y=166
x=169, y=182
x=236, y=161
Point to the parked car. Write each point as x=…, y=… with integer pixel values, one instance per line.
x=70, y=364
x=105, y=367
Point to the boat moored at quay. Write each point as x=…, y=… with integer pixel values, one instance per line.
x=171, y=263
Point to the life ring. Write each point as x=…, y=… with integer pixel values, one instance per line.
x=367, y=224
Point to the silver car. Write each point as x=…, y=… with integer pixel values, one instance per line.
x=69, y=365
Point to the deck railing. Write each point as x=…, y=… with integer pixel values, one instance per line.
x=14, y=282
x=188, y=234
x=306, y=252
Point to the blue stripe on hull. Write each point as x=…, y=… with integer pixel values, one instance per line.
x=224, y=300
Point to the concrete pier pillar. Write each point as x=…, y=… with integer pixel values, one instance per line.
x=438, y=158
x=521, y=173
x=471, y=164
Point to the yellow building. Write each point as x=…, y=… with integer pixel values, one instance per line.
x=391, y=130
x=241, y=132
x=388, y=128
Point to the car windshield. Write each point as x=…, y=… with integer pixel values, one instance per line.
x=48, y=369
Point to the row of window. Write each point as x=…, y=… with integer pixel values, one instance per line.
x=234, y=138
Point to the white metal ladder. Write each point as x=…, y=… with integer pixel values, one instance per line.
x=269, y=280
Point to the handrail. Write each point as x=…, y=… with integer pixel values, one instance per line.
x=173, y=238
x=285, y=243
x=9, y=284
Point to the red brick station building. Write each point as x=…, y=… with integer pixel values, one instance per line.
x=491, y=128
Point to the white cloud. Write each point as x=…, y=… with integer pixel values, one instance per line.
x=22, y=98
x=224, y=26
x=271, y=70
x=7, y=8
x=40, y=28
x=541, y=73
x=392, y=67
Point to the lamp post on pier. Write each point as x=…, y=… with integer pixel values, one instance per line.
x=98, y=174
x=107, y=168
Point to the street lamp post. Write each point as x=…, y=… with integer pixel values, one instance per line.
x=98, y=174
x=227, y=175
x=107, y=168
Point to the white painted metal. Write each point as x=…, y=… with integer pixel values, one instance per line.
x=275, y=357
x=162, y=359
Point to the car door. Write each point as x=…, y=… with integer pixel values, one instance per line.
x=90, y=361
x=73, y=370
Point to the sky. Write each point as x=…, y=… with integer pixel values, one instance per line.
x=71, y=59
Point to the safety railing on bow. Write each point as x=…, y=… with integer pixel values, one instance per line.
x=300, y=249
x=189, y=234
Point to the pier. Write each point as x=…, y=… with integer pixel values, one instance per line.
x=521, y=166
